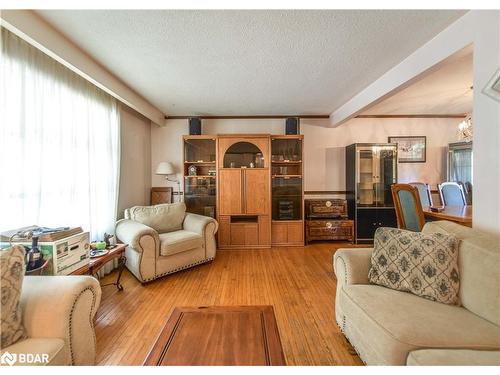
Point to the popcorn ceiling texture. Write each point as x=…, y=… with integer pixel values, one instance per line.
x=249, y=62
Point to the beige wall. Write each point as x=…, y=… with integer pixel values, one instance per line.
x=135, y=160
x=323, y=147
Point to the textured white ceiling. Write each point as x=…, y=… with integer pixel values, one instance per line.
x=446, y=89
x=249, y=62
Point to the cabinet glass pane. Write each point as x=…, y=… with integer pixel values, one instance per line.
x=376, y=173
x=286, y=150
x=199, y=150
x=199, y=195
x=366, y=177
x=287, y=198
x=243, y=154
x=386, y=157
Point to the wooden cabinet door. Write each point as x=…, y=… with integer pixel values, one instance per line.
x=224, y=234
x=295, y=233
x=279, y=233
x=230, y=192
x=256, y=191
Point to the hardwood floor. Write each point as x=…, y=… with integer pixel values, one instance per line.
x=298, y=282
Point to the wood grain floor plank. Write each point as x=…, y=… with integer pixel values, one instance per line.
x=298, y=281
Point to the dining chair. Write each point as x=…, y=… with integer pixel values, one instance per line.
x=409, y=213
x=467, y=186
x=424, y=191
x=452, y=194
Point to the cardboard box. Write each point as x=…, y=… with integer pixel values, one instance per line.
x=68, y=254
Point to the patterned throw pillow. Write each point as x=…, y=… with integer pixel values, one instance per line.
x=12, y=270
x=422, y=264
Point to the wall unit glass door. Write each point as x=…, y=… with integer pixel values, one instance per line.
x=286, y=173
x=287, y=198
x=200, y=195
x=375, y=174
x=200, y=175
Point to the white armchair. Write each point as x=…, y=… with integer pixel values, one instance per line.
x=164, y=239
x=58, y=316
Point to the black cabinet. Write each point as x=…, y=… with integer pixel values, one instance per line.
x=371, y=169
x=369, y=219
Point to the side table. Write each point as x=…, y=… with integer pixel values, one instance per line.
x=97, y=263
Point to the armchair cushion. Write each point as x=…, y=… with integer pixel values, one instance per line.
x=163, y=218
x=385, y=324
x=181, y=240
x=12, y=270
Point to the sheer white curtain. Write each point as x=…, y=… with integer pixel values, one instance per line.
x=59, y=144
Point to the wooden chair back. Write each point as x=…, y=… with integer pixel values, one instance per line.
x=408, y=207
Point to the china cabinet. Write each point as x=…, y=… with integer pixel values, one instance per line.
x=371, y=169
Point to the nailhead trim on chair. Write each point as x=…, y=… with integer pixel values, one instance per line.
x=179, y=269
x=90, y=321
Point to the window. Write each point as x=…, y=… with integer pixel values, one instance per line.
x=59, y=144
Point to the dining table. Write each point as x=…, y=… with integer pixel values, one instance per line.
x=459, y=214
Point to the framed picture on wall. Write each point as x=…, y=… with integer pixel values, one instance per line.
x=411, y=149
x=492, y=88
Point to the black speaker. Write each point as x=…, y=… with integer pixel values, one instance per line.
x=292, y=126
x=194, y=126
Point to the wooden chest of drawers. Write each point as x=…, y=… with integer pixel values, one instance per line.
x=327, y=220
x=321, y=230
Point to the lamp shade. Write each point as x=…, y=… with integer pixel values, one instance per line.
x=165, y=168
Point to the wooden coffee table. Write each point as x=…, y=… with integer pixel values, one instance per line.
x=97, y=263
x=219, y=336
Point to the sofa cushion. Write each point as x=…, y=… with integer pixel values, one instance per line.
x=176, y=242
x=12, y=268
x=453, y=357
x=163, y=218
x=423, y=264
x=385, y=324
x=479, y=265
x=53, y=348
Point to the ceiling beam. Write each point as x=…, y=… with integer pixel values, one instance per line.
x=458, y=115
x=452, y=39
x=246, y=117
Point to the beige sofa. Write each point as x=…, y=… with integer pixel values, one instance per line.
x=388, y=327
x=58, y=316
x=155, y=253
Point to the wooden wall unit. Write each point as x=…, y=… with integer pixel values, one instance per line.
x=244, y=206
x=244, y=191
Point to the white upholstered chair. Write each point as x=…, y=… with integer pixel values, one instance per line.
x=164, y=239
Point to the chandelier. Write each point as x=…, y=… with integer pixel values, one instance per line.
x=465, y=132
